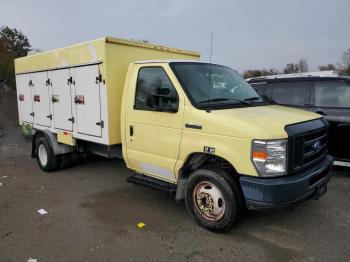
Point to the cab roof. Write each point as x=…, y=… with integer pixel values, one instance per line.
x=167, y=61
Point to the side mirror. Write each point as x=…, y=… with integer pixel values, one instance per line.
x=163, y=101
x=163, y=92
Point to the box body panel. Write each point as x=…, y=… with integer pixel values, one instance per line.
x=41, y=100
x=78, y=89
x=61, y=99
x=87, y=100
x=24, y=98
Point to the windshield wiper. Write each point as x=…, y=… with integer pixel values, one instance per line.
x=223, y=99
x=252, y=98
x=260, y=98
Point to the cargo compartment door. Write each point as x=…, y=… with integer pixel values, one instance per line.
x=41, y=99
x=87, y=100
x=25, y=99
x=61, y=99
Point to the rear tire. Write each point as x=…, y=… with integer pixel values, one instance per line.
x=45, y=156
x=213, y=199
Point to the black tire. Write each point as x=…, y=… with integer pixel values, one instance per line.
x=229, y=190
x=52, y=162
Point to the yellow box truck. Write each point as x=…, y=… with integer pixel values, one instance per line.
x=194, y=129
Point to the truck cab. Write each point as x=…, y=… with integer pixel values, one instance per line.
x=202, y=127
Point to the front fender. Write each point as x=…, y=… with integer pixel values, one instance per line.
x=234, y=150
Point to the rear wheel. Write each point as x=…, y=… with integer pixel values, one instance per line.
x=213, y=199
x=45, y=155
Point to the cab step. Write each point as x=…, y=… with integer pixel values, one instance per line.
x=155, y=183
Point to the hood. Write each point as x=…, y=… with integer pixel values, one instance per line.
x=260, y=122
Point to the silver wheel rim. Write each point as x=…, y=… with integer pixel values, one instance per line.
x=42, y=155
x=209, y=200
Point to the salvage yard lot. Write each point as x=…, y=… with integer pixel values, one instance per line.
x=93, y=214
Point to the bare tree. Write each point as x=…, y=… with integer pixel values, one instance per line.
x=303, y=66
x=327, y=67
x=291, y=68
x=257, y=73
x=344, y=65
x=300, y=67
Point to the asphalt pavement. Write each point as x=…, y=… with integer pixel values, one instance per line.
x=92, y=215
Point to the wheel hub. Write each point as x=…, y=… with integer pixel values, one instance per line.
x=205, y=202
x=42, y=154
x=209, y=200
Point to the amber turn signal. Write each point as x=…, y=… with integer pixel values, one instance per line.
x=260, y=155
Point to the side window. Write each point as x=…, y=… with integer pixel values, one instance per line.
x=290, y=93
x=154, y=91
x=332, y=94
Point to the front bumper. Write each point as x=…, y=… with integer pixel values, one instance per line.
x=284, y=192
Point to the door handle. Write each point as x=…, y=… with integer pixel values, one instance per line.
x=131, y=129
x=194, y=126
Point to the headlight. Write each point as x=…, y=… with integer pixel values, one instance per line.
x=270, y=157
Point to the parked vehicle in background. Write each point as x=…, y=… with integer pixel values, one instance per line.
x=194, y=129
x=323, y=92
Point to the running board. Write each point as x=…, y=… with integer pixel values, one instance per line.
x=341, y=163
x=138, y=179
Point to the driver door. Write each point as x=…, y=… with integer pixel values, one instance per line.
x=154, y=118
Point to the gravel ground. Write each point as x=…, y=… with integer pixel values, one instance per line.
x=93, y=212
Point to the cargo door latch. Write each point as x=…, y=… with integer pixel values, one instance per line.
x=98, y=79
x=101, y=124
x=71, y=119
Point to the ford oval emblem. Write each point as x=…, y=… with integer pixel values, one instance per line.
x=317, y=146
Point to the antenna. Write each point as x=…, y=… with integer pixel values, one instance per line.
x=211, y=53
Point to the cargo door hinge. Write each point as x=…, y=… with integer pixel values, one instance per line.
x=49, y=116
x=71, y=119
x=101, y=124
x=70, y=81
x=32, y=114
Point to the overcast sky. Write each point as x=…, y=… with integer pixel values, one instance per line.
x=247, y=33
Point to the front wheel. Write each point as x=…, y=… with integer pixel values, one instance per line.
x=212, y=198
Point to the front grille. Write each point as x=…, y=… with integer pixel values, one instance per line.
x=308, y=147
